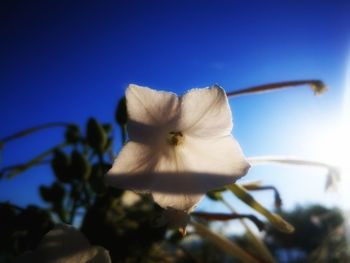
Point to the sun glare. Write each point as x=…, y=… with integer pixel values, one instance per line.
x=344, y=144
x=331, y=145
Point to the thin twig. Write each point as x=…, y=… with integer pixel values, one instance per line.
x=293, y=161
x=33, y=129
x=317, y=86
x=226, y=217
x=278, y=199
x=36, y=160
x=223, y=243
x=256, y=240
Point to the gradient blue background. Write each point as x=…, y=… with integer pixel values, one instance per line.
x=69, y=60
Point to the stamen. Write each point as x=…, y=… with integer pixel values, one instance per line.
x=175, y=138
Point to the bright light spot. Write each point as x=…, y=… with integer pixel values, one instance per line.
x=333, y=145
x=345, y=143
x=330, y=144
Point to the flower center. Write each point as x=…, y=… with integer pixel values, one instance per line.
x=175, y=138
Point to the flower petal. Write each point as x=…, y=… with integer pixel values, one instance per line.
x=63, y=240
x=205, y=113
x=133, y=167
x=96, y=254
x=140, y=168
x=178, y=176
x=66, y=244
x=149, y=111
x=183, y=202
x=220, y=161
x=194, y=168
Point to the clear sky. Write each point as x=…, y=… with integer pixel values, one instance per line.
x=69, y=60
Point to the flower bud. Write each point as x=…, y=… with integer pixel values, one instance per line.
x=121, y=116
x=96, y=136
x=60, y=165
x=80, y=168
x=72, y=134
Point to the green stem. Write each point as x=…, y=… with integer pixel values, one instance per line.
x=16, y=207
x=278, y=200
x=333, y=171
x=275, y=219
x=226, y=217
x=255, y=239
x=223, y=243
x=32, y=130
x=74, y=206
x=288, y=160
x=316, y=85
x=20, y=166
x=87, y=196
x=13, y=170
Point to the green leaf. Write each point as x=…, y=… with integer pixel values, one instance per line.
x=109, y=144
x=73, y=134
x=121, y=115
x=44, y=193
x=60, y=165
x=80, y=168
x=273, y=218
x=53, y=194
x=214, y=195
x=57, y=192
x=107, y=127
x=97, y=178
x=96, y=136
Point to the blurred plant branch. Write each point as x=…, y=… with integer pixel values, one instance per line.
x=31, y=130
x=277, y=196
x=13, y=170
x=273, y=218
x=333, y=175
x=223, y=243
x=317, y=86
x=226, y=217
x=255, y=240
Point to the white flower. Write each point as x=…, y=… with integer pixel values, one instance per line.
x=179, y=147
x=129, y=198
x=65, y=244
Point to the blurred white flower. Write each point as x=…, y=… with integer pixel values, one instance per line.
x=65, y=244
x=129, y=198
x=179, y=147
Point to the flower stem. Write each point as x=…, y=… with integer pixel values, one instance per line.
x=223, y=243
x=287, y=160
x=13, y=170
x=274, y=219
x=317, y=86
x=255, y=239
x=277, y=196
x=226, y=217
x=32, y=130
x=333, y=175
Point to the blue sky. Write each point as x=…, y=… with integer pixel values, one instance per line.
x=67, y=61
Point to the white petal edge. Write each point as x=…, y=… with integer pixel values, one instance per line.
x=149, y=111
x=183, y=202
x=196, y=167
x=205, y=112
x=133, y=167
x=216, y=162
